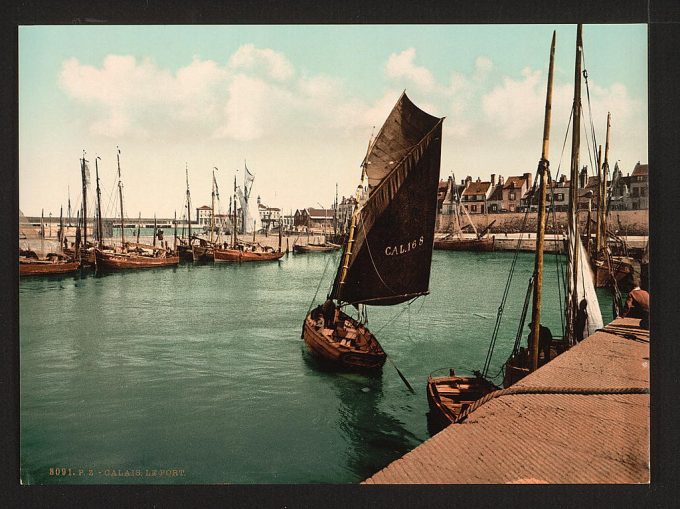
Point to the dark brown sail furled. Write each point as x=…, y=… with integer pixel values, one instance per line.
x=389, y=259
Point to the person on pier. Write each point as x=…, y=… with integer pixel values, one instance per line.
x=637, y=304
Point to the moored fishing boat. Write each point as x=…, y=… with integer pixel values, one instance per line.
x=240, y=251
x=462, y=244
x=133, y=255
x=322, y=247
x=134, y=260
x=387, y=256
x=31, y=265
x=244, y=253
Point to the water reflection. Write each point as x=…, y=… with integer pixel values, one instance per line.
x=374, y=436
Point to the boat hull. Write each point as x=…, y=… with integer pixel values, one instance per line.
x=519, y=365
x=449, y=396
x=485, y=244
x=237, y=255
x=621, y=269
x=118, y=261
x=45, y=268
x=363, y=353
x=315, y=248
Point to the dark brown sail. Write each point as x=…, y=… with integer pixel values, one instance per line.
x=389, y=259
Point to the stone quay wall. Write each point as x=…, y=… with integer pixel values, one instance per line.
x=627, y=222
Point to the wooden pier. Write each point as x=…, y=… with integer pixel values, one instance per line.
x=582, y=419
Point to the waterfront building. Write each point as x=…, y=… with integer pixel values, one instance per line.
x=345, y=209
x=513, y=190
x=475, y=195
x=270, y=217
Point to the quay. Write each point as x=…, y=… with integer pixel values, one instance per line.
x=599, y=436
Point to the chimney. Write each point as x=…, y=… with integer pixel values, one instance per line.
x=563, y=179
x=493, y=180
x=527, y=177
x=501, y=180
x=478, y=180
x=468, y=179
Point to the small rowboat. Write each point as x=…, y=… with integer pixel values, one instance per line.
x=315, y=248
x=449, y=396
x=239, y=255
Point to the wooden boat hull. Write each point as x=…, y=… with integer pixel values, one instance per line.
x=621, y=269
x=46, y=268
x=519, y=365
x=237, y=255
x=118, y=261
x=315, y=248
x=485, y=244
x=363, y=353
x=203, y=254
x=449, y=396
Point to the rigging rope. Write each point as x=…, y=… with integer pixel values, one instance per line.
x=549, y=390
x=499, y=315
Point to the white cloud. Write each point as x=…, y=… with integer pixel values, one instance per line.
x=401, y=65
x=275, y=64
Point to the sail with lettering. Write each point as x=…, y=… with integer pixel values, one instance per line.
x=388, y=260
x=387, y=255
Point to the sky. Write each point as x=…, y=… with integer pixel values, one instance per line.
x=298, y=105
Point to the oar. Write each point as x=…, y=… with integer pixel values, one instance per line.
x=403, y=378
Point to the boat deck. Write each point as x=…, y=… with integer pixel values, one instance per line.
x=550, y=438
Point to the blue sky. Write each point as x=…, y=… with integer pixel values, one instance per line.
x=299, y=104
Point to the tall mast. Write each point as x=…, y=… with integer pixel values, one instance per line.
x=61, y=226
x=234, y=228
x=212, y=207
x=344, y=264
x=120, y=193
x=83, y=171
x=335, y=214
x=174, y=242
x=139, y=226
x=603, y=191
x=100, y=230
x=155, y=229
x=69, y=205
x=573, y=262
x=598, y=225
x=188, y=201
x=543, y=174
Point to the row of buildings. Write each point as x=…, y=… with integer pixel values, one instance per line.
x=514, y=194
x=497, y=195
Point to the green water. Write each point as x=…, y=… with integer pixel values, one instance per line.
x=201, y=369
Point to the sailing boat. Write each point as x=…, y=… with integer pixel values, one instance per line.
x=239, y=251
x=141, y=256
x=30, y=264
x=449, y=396
x=609, y=270
x=455, y=241
x=386, y=258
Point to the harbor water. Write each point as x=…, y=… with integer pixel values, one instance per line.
x=197, y=374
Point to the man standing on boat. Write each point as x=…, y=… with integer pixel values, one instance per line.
x=328, y=310
x=545, y=338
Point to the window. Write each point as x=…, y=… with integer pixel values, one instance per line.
x=493, y=208
x=559, y=196
x=512, y=196
x=474, y=208
x=512, y=207
x=642, y=191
